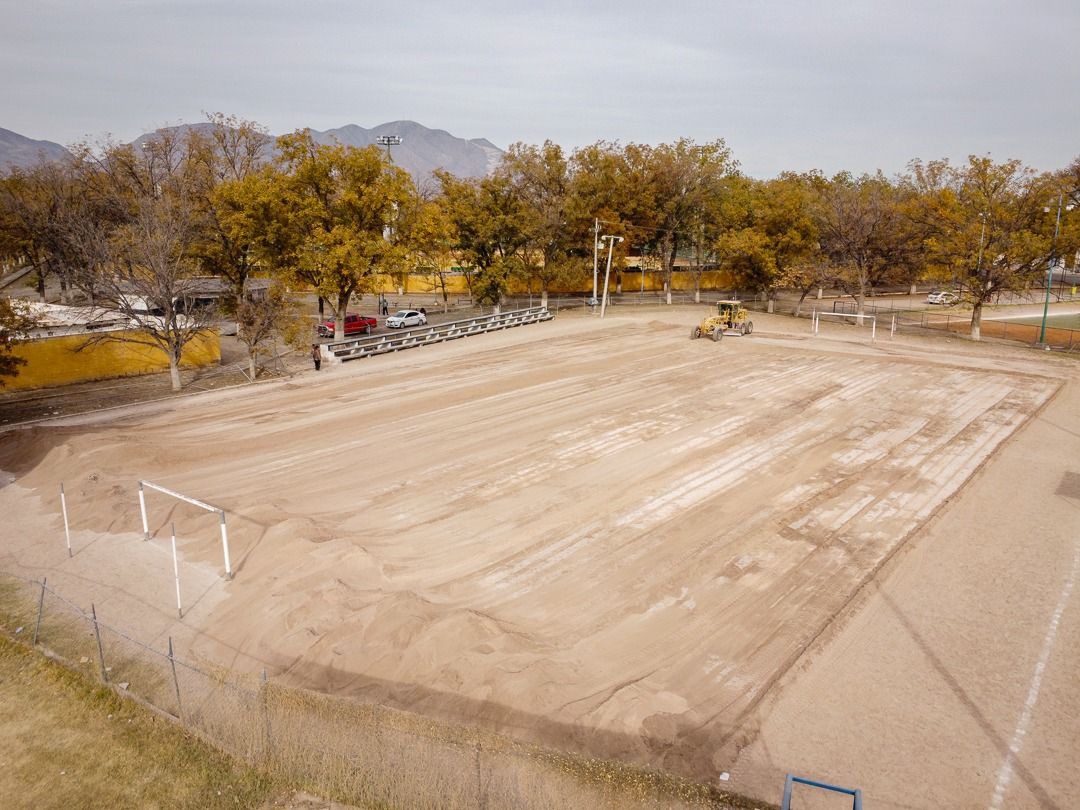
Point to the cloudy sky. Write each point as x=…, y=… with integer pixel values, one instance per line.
x=826, y=85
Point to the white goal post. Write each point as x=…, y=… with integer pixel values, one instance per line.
x=193, y=502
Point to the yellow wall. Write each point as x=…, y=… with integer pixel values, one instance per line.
x=68, y=359
x=654, y=282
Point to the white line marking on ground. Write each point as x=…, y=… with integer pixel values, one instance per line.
x=1022, y=725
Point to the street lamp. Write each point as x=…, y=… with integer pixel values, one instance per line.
x=607, y=273
x=1050, y=267
x=388, y=141
x=595, y=252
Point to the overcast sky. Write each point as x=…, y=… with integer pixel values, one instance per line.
x=788, y=85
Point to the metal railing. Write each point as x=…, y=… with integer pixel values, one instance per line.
x=371, y=345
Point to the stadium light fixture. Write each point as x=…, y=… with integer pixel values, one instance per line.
x=388, y=141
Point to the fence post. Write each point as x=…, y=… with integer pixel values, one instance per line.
x=176, y=682
x=100, y=650
x=40, y=608
x=176, y=574
x=63, y=508
x=479, y=787
x=266, y=716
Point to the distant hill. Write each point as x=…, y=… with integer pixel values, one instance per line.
x=18, y=151
x=421, y=151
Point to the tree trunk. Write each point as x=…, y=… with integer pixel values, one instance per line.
x=174, y=372
x=798, y=305
x=340, y=311
x=976, y=320
x=543, y=298
x=251, y=365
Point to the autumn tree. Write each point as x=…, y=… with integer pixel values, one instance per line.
x=34, y=207
x=15, y=320
x=330, y=216
x=862, y=232
x=988, y=226
x=544, y=180
x=677, y=184
x=490, y=230
x=228, y=151
x=601, y=199
x=431, y=243
x=264, y=316
x=131, y=233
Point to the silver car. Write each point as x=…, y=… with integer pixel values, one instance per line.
x=406, y=317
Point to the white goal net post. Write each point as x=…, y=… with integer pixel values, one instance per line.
x=194, y=502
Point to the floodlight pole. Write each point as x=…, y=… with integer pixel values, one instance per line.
x=1050, y=269
x=607, y=273
x=388, y=141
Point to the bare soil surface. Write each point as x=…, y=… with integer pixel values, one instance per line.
x=776, y=553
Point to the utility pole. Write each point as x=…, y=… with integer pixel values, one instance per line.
x=611, y=249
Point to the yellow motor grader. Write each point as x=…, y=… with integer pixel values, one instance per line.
x=731, y=318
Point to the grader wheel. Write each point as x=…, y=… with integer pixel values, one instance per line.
x=695, y=333
x=749, y=327
x=717, y=334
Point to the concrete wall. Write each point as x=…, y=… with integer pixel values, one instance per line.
x=68, y=359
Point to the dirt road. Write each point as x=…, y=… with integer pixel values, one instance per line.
x=606, y=537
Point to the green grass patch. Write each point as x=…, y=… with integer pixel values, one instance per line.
x=67, y=742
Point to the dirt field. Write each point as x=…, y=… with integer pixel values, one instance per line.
x=773, y=554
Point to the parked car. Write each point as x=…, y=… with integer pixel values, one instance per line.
x=406, y=317
x=942, y=297
x=354, y=325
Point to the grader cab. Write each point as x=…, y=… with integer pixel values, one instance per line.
x=731, y=318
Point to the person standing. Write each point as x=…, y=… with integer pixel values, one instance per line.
x=316, y=355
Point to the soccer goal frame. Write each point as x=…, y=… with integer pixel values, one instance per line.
x=792, y=780
x=194, y=502
x=816, y=321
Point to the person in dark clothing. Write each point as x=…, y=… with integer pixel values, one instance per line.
x=316, y=355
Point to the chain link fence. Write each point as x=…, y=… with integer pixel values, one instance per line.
x=893, y=316
x=362, y=753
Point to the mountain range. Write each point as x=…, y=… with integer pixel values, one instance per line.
x=421, y=151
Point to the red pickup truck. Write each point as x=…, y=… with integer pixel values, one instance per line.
x=354, y=325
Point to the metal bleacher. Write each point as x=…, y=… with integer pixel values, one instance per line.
x=371, y=345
